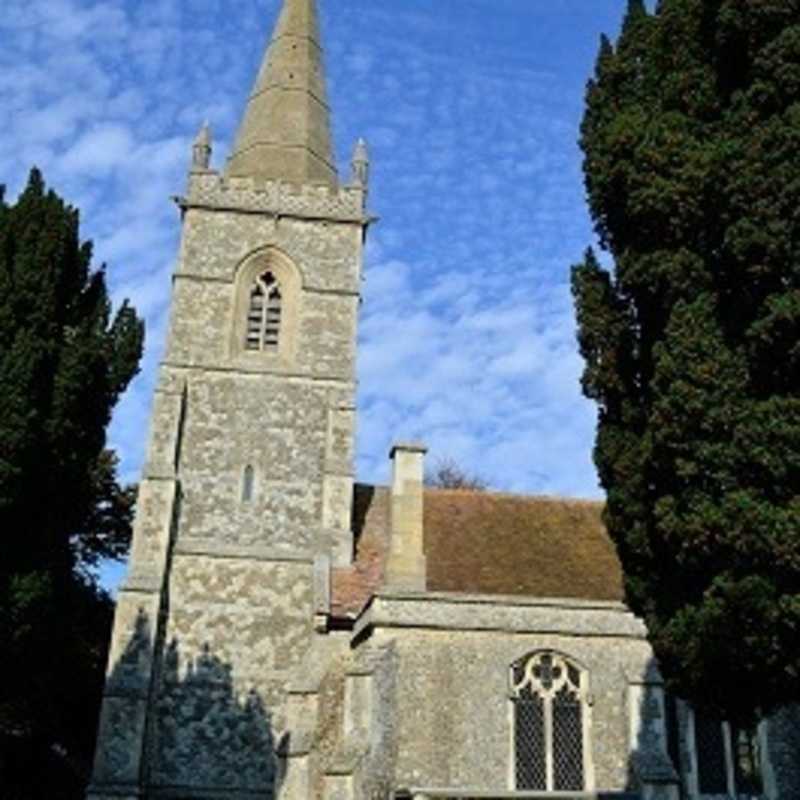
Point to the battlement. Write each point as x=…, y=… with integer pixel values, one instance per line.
x=210, y=189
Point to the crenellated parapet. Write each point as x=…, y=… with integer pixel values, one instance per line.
x=213, y=191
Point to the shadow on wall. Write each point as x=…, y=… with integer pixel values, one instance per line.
x=182, y=722
x=652, y=772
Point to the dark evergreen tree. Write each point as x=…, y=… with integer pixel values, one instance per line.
x=64, y=362
x=691, y=138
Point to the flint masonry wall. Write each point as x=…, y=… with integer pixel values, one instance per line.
x=222, y=585
x=455, y=653
x=241, y=581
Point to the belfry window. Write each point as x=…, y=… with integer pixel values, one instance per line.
x=264, y=314
x=549, y=696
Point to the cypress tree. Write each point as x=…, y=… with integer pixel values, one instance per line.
x=65, y=359
x=692, y=341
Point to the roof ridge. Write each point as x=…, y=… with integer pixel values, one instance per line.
x=588, y=501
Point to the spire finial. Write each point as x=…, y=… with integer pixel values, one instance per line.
x=201, y=149
x=285, y=133
x=360, y=164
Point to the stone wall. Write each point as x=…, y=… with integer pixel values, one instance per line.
x=451, y=708
x=783, y=752
x=280, y=430
x=236, y=631
x=229, y=582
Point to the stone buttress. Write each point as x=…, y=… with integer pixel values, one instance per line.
x=245, y=500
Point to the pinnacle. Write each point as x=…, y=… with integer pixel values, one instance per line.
x=285, y=133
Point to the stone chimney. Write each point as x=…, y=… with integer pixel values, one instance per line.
x=406, y=568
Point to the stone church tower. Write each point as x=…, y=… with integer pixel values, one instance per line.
x=245, y=501
x=284, y=632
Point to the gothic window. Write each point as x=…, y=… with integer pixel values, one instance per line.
x=549, y=696
x=728, y=759
x=264, y=314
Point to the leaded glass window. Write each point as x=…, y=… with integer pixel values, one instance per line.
x=549, y=694
x=264, y=314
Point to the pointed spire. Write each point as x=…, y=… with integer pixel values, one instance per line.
x=285, y=133
x=201, y=149
x=360, y=164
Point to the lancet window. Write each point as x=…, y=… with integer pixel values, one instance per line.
x=264, y=314
x=549, y=696
x=248, y=481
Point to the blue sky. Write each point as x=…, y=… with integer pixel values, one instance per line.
x=471, y=109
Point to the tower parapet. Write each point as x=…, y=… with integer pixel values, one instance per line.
x=210, y=190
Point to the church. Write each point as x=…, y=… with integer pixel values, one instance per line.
x=286, y=632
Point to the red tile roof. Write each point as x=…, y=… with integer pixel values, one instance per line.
x=488, y=543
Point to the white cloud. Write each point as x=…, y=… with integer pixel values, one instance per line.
x=98, y=150
x=467, y=331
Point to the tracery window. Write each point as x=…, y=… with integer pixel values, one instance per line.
x=264, y=314
x=549, y=696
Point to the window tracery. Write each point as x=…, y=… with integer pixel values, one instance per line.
x=549, y=696
x=264, y=314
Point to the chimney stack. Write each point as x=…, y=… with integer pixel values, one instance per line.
x=406, y=567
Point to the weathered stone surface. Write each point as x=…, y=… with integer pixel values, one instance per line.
x=276, y=198
x=286, y=129
x=406, y=566
x=458, y=682
x=783, y=747
x=498, y=613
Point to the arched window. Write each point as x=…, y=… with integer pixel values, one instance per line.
x=549, y=696
x=264, y=314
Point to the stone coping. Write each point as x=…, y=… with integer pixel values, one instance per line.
x=510, y=614
x=408, y=447
x=503, y=599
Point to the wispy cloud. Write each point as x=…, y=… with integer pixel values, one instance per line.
x=471, y=110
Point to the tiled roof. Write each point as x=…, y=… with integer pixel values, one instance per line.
x=488, y=543
x=351, y=587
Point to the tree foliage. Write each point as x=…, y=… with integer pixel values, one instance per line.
x=692, y=344
x=65, y=359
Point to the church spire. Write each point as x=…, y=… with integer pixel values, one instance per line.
x=285, y=133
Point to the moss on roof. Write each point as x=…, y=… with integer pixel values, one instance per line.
x=487, y=543
x=482, y=542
